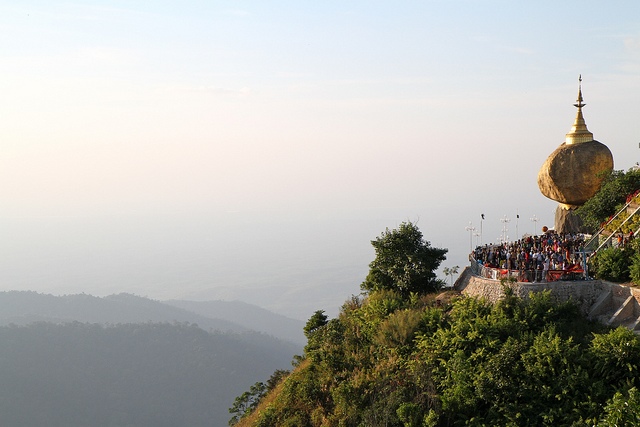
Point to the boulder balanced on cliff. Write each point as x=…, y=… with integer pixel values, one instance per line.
x=574, y=172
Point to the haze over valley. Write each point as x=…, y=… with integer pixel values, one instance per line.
x=184, y=184
x=251, y=151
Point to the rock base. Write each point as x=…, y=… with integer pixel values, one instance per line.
x=567, y=221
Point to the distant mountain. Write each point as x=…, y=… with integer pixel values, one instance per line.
x=248, y=316
x=144, y=374
x=78, y=360
x=24, y=307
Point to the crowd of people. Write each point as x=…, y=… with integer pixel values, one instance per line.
x=547, y=257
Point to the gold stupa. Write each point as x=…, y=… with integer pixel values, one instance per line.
x=574, y=172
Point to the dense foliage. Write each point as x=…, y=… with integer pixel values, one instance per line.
x=622, y=262
x=617, y=264
x=404, y=262
x=617, y=186
x=387, y=360
x=248, y=401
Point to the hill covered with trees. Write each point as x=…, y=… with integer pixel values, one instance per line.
x=125, y=360
x=248, y=316
x=409, y=359
x=145, y=374
x=24, y=307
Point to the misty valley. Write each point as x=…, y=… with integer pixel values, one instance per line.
x=123, y=360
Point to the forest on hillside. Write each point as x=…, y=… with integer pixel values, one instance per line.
x=25, y=307
x=142, y=374
x=401, y=356
x=391, y=361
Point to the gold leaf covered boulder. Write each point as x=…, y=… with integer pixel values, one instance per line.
x=574, y=172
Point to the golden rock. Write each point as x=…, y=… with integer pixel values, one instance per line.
x=574, y=172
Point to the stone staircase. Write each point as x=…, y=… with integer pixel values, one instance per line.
x=618, y=306
x=609, y=303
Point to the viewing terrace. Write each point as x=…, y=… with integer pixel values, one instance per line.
x=546, y=258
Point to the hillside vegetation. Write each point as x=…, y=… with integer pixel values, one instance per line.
x=620, y=262
x=399, y=357
x=389, y=361
x=616, y=188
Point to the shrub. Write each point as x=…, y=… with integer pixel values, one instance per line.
x=613, y=264
x=634, y=269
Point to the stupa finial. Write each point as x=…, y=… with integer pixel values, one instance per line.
x=579, y=100
x=579, y=132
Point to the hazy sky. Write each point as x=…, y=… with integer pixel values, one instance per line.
x=218, y=149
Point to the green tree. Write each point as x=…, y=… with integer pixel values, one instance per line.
x=634, y=269
x=316, y=321
x=450, y=272
x=404, y=262
x=276, y=378
x=622, y=410
x=312, y=330
x=247, y=402
x=613, y=264
x=608, y=200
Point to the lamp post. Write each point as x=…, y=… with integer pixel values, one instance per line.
x=504, y=220
x=477, y=235
x=535, y=220
x=470, y=228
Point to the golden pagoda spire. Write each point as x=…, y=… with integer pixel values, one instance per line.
x=579, y=132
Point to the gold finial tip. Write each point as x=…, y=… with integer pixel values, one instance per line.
x=579, y=104
x=579, y=132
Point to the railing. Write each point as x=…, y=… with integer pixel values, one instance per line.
x=594, y=244
x=608, y=239
x=526, y=275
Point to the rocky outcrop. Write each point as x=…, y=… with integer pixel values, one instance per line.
x=567, y=221
x=573, y=173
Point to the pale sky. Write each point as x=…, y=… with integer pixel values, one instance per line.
x=174, y=138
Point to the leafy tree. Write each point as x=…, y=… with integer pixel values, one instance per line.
x=313, y=331
x=634, y=269
x=404, y=262
x=622, y=410
x=616, y=357
x=613, y=192
x=316, y=321
x=247, y=402
x=450, y=272
x=410, y=414
x=612, y=264
x=276, y=378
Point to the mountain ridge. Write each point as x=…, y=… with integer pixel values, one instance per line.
x=25, y=307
